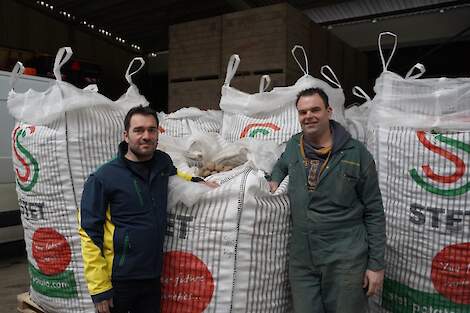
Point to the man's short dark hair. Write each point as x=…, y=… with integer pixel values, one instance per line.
x=311, y=92
x=139, y=110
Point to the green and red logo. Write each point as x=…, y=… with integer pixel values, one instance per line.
x=28, y=177
x=254, y=129
x=460, y=167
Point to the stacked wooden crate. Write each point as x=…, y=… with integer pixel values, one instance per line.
x=263, y=38
x=194, y=64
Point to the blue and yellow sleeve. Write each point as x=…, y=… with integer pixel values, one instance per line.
x=95, y=230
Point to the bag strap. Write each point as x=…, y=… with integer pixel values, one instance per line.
x=358, y=92
x=385, y=64
x=418, y=66
x=18, y=70
x=334, y=80
x=63, y=55
x=304, y=69
x=264, y=83
x=128, y=75
x=232, y=67
x=92, y=88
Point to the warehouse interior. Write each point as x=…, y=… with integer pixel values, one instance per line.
x=186, y=46
x=105, y=35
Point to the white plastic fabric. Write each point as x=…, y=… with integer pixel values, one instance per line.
x=357, y=116
x=226, y=248
x=61, y=136
x=421, y=144
x=271, y=115
x=421, y=103
x=176, y=124
x=200, y=148
x=228, y=252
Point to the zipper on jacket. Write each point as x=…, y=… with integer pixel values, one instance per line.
x=137, y=190
x=124, y=250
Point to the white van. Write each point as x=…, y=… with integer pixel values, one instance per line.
x=10, y=221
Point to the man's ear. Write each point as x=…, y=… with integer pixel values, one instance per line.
x=125, y=136
x=329, y=110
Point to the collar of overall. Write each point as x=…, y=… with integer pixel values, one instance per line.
x=324, y=151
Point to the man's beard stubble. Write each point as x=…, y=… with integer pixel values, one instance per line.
x=139, y=155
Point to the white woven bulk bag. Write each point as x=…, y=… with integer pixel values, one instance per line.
x=228, y=252
x=356, y=116
x=271, y=115
x=176, y=124
x=61, y=136
x=187, y=120
x=421, y=145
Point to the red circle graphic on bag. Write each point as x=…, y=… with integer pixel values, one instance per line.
x=187, y=284
x=51, y=251
x=450, y=272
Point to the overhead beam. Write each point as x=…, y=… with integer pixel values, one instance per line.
x=409, y=11
x=309, y=4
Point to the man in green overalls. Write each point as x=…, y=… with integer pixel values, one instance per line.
x=338, y=233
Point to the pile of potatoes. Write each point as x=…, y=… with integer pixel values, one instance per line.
x=211, y=168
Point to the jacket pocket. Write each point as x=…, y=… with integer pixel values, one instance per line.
x=344, y=191
x=124, y=246
x=346, y=247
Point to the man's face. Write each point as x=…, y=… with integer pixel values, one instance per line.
x=313, y=116
x=142, y=137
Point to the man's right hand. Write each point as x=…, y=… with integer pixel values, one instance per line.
x=273, y=186
x=104, y=306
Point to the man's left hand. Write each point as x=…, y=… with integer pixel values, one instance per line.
x=210, y=184
x=373, y=281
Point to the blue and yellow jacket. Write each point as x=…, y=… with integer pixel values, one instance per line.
x=123, y=221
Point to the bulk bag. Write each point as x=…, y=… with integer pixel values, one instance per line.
x=176, y=124
x=421, y=144
x=184, y=121
x=61, y=136
x=229, y=251
x=357, y=116
x=226, y=249
x=271, y=115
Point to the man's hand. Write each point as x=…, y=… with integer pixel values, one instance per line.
x=373, y=281
x=210, y=184
x=104, y=306
x=273, y=186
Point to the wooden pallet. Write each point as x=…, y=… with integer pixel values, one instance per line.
x=26, y=305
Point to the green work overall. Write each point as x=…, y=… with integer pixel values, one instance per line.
x=338, y=229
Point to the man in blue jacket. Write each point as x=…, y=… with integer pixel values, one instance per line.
x=123, y=220
x=337, y=246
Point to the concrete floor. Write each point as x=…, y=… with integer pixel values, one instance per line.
x=14, y=277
